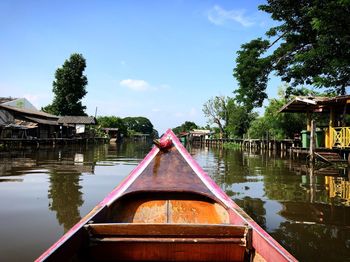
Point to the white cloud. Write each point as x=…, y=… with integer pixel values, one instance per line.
x=142, y=85
x=134, y=84
x=219, y=16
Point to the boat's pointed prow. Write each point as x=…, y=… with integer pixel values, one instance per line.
x=166, y=204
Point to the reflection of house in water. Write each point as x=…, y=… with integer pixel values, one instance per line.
x=319, y=213
x=22, y=165
x=64, y=169
x=334, y=180
x=338, y=187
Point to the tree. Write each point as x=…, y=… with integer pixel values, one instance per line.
x=138, y=124
x=239, y=118
x=69, y=88
x=185, y=127
x=310, y=45
x=276, y=124
x=215, y=109
x=252, y=73
x=113, y=122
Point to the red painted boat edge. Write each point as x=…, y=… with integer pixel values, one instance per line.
x=260, y=236
x=262, y=241
x=114, y=194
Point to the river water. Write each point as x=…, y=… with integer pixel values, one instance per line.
x=45, y=192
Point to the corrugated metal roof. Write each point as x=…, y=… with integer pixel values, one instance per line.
x=301, y=104
x=87, y=120
x=42, y=121
x=29, y=111
x=6, y=99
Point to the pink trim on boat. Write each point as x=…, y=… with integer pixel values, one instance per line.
x=69, y=234
x=125, y=184
x=114, y=194
x=259, y=235
x=262, y=241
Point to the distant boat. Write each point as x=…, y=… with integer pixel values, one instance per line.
x=167, y=209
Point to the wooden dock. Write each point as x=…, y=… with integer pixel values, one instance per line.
x=15, y=143
x=330, y=157
x=258, y=144
x=293, y=147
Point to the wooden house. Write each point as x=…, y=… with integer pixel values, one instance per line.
x=337, y=132
x=77, y=126
x=20, y=119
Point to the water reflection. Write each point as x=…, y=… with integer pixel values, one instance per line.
x=307, y=210
x=64, y=194
x=65, y=198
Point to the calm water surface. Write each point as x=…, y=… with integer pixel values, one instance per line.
x=45, y=192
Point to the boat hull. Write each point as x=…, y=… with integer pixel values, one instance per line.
x=167, y=209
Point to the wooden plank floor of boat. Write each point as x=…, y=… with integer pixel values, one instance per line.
x=170, y=211
x=173, y=229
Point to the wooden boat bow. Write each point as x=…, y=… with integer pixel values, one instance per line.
x=167, y=209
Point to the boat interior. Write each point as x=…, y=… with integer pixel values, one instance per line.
x=166, y=227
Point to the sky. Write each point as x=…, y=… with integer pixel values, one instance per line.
x=158, y=59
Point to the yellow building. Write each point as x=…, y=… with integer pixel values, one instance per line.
x=336, y=134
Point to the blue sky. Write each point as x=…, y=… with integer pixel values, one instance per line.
x=158, y=59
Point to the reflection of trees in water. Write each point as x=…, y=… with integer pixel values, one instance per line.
x=66, y=198
x=254, y=207
x=229, y=167
x=132, y=149
x=64, y=191
x=313, y=202
x=314, y=242
x=320, y=213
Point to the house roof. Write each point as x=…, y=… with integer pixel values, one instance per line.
x=302, y=104
x=41, y=121
x=200, y=131
x=28, y=111
x=87, y=120
x=6, y=99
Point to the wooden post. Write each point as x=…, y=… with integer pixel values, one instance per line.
x=308, y=125
x=330, y=126
x=312, y=141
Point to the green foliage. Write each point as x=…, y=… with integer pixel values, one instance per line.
x=231, y=145
x=259, y=128
x=138, y=125
x=275, y=124
x=232, y=119
x=113, y=122
x=252, y=73
x=239, y=118
x=69, y=88
x=310, y=46
x=185, y=127
x=215, y=109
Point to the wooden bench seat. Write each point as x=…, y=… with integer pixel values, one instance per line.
x=167, y=242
